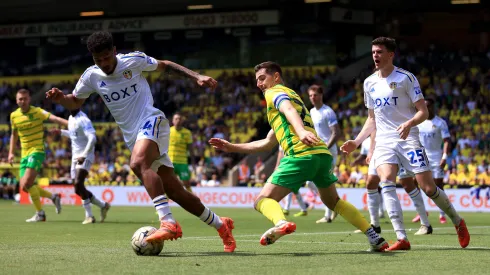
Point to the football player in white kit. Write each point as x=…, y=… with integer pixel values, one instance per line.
x=119, y=80
x=327, y=127
x=396, y=105
x=433, y=132
x=82, y=135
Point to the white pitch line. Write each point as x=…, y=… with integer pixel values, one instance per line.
x=337, y=232
x=356, y=244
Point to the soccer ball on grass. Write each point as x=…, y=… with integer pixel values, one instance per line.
x=143, y=248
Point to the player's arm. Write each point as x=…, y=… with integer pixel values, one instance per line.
x=13, y=141
x=360, y=160
x=295, y=120
x=280, y=155
x=89, y=131
x=335, y=135
x=420, y=116
x=262, y=145
x=174, y=68
x=70, y=102
x=58, y=120
x=447, y=144
x=191, y=154
x=367, y=130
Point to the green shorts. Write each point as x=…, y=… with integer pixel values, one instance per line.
x=34, y=161
x=182, y=171
x=293, y=172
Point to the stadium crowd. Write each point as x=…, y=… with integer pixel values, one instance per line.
x=458, y=81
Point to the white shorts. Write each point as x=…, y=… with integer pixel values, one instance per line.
x=408, y=154
x=155, y=128
x=371, y=168
x=85, y=166
x=437, y=172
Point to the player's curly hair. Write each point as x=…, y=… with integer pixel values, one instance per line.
x=100, y=41
x=388, y=42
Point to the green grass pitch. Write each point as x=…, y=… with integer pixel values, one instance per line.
x=62, y=245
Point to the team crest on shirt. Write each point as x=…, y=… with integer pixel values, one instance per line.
x=393, y=85
x=127, y=74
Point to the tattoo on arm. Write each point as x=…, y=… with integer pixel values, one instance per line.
x=174, y=68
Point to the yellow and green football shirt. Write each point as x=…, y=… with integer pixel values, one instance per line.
x=29, y=125
x=179, y=141
x=284, y=131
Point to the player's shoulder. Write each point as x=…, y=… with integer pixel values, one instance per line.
x=15, y=113
x=370, y=80
x=132, y=55
x=187, y=131
x=327, y=109
x=404, y=74
x=87, y=74
x=440, y=121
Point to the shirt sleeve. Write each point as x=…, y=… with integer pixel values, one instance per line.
x=274, y=98
x=141, y=61
x=368, y=100
x=44, y=114
x=87, y=126
x=83, y=89
x=413, y=89
x=331, y=118
x=444, y=130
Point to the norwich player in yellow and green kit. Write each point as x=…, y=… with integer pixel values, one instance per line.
x=306, y=159
x=180, y=144
x=27, y=124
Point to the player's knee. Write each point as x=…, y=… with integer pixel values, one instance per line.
x=138, y=164
x=257, y=200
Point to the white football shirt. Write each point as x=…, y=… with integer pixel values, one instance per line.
x=432, y=134
x=79, y=128
x=125, y=92
x=323, y=119
x=392, y=99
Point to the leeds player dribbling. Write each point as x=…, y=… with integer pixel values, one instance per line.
x=118, y=79
x=396, y=106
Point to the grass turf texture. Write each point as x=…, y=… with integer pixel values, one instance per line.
x=62, y=245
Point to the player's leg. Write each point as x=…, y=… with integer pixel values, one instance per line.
x=267, y=203
x=35, y=161
x=373, y=199
x=302, y=205
x=143, y=154
x=438, y=175
x=329, y=213
x=407, y=182
x=192, y=204
x=27, y=178
x=183, y=173
x=287, y=204
x=413, y=158
x=81, y=173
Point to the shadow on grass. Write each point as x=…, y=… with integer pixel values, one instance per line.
x=286, y=254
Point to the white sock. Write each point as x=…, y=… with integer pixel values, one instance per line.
x=381, y=205
x=313, y=187
x=210, y=218
x=373, y=206
x=163, y=209
x=301, y=203
x=97, y=202
x=289, y=199
x=372, y=235
x=394, y=208
x=418, y=201
x=442, y=214
x=88, y=208
x=328, y=213
x=442, y=201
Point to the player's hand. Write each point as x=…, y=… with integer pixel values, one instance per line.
x=221, y=144
x=55, y=95
x=207, y=81
x=308, y=138
x=442, y=164
x=11, y=159
x=81, y=160
x=55, y=131
x=348, y=147
x=368, y=157
x=404, y=129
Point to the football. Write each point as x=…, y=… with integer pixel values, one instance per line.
x=143, y=248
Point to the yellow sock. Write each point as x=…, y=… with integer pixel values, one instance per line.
x=34, y=192
x=271, y=209
x=44, y=193
x=352, y=215
x=189, y=189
